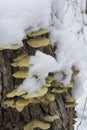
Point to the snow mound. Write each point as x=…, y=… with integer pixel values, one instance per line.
x=43, y=64
x=17, y=17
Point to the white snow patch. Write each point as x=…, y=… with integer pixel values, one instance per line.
x=43, y=64
x=17, y=16
x=69, y=35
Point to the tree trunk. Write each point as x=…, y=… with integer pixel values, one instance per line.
x=10, y=118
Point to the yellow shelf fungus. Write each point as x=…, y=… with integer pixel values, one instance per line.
x=39, y=42
x=69, y=99
x=70, y=105
x=13, y=47
x=39, y=32
x=21, y=74
x=39, y=93
x=21, y=63
x=51, y=118
x=14, y=93
x=59, y=90
x=22, y=102
x=37, y=124
x=50, y=79
x=50, y=97
x=9, y=102
x=22, y=56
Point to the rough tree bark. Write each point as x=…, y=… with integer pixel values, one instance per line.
x=10, y=118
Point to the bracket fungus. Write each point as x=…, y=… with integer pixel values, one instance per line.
x=14, y=93
x=9, y=102
x=20, y=57
x=37, y=124
x=59, y=90
x=57, y=84
x=50, y=97
x=70, y=105
x=24, y=62
x=38, y=42
x=19, y=99
x=51, y=118
x=50, y=79
x=12, y=103
x=12, y=47
x=39, y=32
x=47, y=85
x=69, y=99
x=22, y=102
x=21, y=73
x=39, y=93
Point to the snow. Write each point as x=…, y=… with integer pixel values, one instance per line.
x=42, y=65
x=69, y=35
x=67, y=21
x=17, y=17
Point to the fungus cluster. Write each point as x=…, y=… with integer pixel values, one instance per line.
x=47, y=93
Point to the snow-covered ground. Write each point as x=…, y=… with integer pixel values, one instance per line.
x=67, y=21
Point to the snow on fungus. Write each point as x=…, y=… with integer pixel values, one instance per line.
x=51, y=118
x=38, y=42
x=39, y=32
x=21, y=74
x=14, y=93
x=39, y=93
x=13, y=47
x=37, y=124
